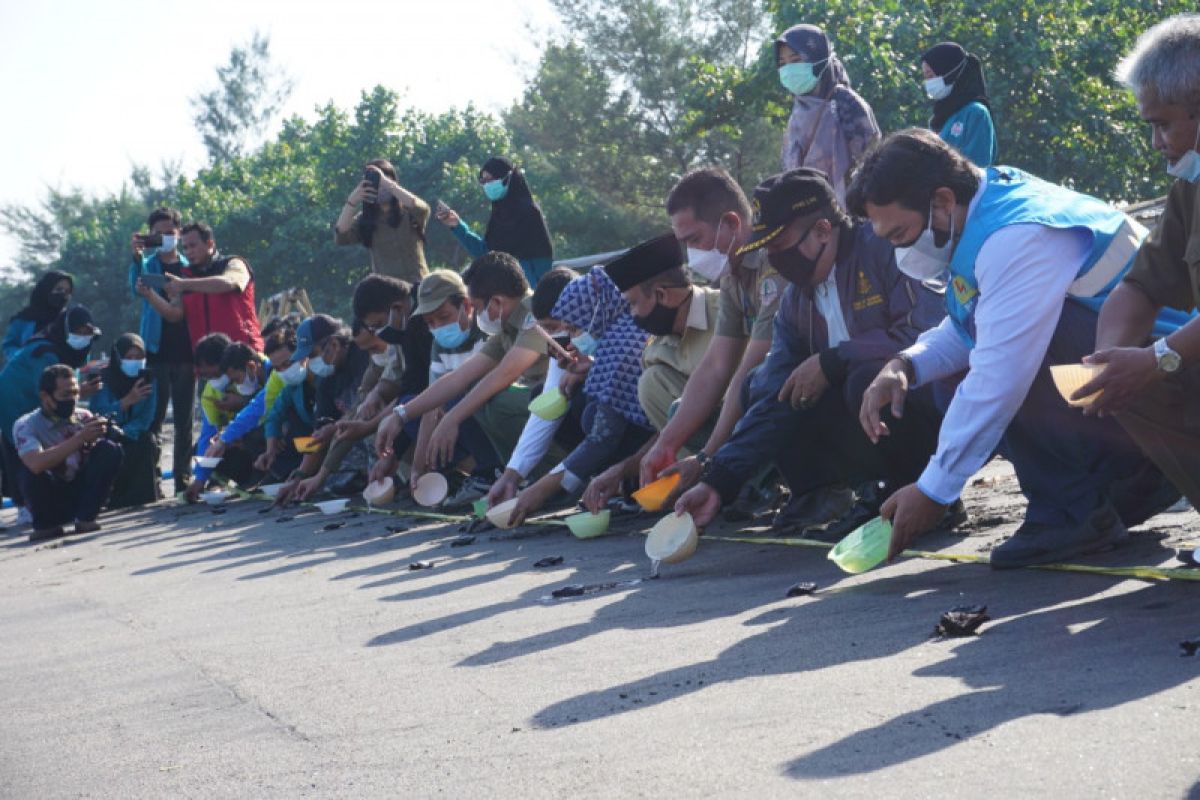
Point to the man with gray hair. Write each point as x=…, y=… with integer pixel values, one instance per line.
x=1151, y=385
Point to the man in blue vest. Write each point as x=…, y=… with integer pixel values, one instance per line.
x=1028, y=264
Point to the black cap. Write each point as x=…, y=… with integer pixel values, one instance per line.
x=642, y=262
x=781, y=199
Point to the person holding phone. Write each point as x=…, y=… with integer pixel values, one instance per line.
x=127, y=399
x=164, y=332
x=388, y=220
x=50, y=295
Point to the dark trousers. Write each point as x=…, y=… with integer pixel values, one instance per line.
x=54, y=501
x=12, y=471
x=472, y=441
x=1066, y=462
x=610, y=438
x=137, y=483
x=176, y=382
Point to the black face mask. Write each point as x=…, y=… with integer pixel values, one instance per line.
x=58, y=300
x=793, y=265
x=63, y=409
x=390, y=333
x=659, y=322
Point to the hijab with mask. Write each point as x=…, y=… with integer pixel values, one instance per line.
x=830, y=127
x=117, y=382
x=44, y=304
x=963, y=72
x=54, y=337
x=516, y=225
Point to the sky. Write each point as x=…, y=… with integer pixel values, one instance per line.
x=90, y=89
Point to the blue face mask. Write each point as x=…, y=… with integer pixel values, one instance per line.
x=291, y=376
x=450, y=335
x=585, y=343
x=495, y=190
x=79, y=341
x=319, y=367
x=799, y=77
x=1187, y=168
x=132, y=366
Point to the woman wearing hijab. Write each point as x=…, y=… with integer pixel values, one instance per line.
x=961, y=111
x=516, y=226
x=66, y=340
x=831, y=126
x=391, y=224
x=49, y=297
x=127, y=398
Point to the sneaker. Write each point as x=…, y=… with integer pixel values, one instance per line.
x=86, y=526
x=813, y=509
x=45, y=534
x=1034, y=543
x=471, y=490
x=24, y=517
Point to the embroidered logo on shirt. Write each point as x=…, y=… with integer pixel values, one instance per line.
x=963, y=291
x=864, y=284
x=767, y=292
x=956, y=129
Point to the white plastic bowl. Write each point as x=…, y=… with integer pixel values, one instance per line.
x=271, y=489
x=431, y=489
x=498, y=515
x=208, y=462
x=672, y=539
x=380, y=493
x=215, y=497
x=334, y=506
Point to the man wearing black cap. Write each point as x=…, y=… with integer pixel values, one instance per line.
x=845, y=312
x=679, y=316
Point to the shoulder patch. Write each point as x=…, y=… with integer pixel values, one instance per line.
x=956, y=129
x=768, y=290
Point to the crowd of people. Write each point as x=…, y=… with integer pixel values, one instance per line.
x=856, y=338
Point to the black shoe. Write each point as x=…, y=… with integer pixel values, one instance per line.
x=1034, y=543
x=46, y=534
x=813, y=509
x=1188, y=558
x=867, y=500
x=752, y=502
x=1143, y=495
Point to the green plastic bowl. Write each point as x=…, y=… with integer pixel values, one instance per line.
x=864, y=547
x=549, y=405
x=480, y=507
x=588, y=525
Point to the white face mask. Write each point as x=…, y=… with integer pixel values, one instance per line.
x=936, y=88
x=247, y=387
x=924, y=260
x=319, y=367
x=382, y=359
x=219, y=383
x=293, y=374
x=712, y=264
x=487, y=324
x=168, y=243
x=1187, y=168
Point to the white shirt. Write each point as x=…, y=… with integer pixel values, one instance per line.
x=1022, y=272
x=830, y=306
x=538, y=433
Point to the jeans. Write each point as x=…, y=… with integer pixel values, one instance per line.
x=176, y=382
x=54, y=501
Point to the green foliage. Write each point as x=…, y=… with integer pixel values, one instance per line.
x=1049, y=63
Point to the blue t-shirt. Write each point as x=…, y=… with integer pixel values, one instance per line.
x=971, y=132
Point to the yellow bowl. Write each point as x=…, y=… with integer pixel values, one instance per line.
x=431, y=489
x=588, y=525
x=672, y=539
x=652, y=496
x=863, y=548
x=498, y=514
x=1069, y=378
x=306, y=444
x=549, y=405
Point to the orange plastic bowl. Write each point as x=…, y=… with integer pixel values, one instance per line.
x=652, y=496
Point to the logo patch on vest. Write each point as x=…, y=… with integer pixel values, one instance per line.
x=963, y=291
x=956, y=129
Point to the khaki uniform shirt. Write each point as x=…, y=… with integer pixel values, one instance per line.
x=399, y=251
x=683, y=353
x=1167, y=266
x=749, y=299
x=518, y=332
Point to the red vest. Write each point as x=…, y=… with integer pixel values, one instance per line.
x=230, y=313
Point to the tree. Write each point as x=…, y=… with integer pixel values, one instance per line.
x=250, y=92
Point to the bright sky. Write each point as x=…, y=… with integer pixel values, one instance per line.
x=89, y=88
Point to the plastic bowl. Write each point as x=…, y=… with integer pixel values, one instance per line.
x=672, y=539
x=271, y=489
x=549, y=405
x=207, y=462
x=863, y=548
x=215, y=497
x=1069, y=378
x=480, y=507
x=431, y=489
x=306, y=444
x=498, y=514
x=652, y=496
x=588, y=525
x=380, y=493
x=334, y=506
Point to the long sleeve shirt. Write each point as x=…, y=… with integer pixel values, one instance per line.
x=475, y=246
x=135, y=421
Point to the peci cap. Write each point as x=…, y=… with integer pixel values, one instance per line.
x=436, y=288
x=643, y=261
x=781, y=199
x=312, y=332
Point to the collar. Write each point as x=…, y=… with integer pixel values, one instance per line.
x=521, y=317
x=983, y=182
x=698, y=311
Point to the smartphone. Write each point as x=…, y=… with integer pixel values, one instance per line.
x=150, y=239
x=440, y=208
x=154, y=280
x=144, y=375
x=372, y=177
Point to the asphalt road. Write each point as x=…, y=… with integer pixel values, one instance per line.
x=181, y=653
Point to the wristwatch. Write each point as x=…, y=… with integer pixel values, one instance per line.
x=1168, y=360
x=703, y=458
x=401, y=412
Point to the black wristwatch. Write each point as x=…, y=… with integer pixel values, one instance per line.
x=910, y=369
x=704, y=458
